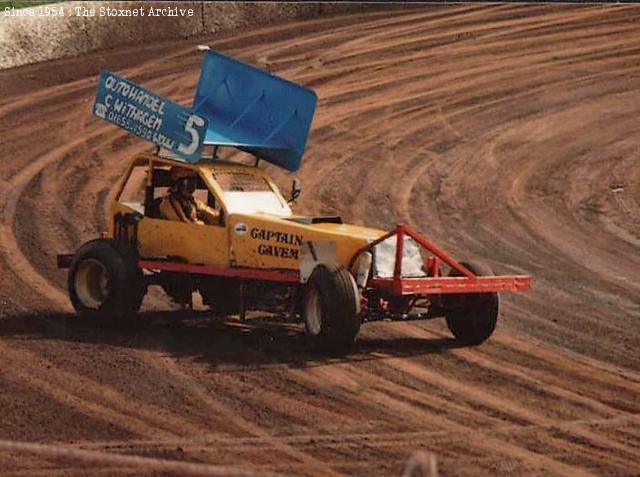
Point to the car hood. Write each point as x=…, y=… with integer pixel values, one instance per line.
x=365, y=233
x=334, y=226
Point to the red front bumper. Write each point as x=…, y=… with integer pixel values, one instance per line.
x=442, y=285
x=434, y=282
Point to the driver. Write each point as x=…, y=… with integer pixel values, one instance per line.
x=180, y=203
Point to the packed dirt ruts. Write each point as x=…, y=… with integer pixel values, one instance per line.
x=503, y=132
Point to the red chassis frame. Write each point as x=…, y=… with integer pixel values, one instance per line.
x=432, y=284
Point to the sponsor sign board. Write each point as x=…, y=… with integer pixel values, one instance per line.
x=150, y=116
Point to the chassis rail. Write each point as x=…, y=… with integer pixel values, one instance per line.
x=290, y=276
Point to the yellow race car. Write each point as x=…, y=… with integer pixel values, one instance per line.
x=252, y=252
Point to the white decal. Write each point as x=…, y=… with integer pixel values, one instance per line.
x=240, y=228
x=101, y=110
x=195, y=138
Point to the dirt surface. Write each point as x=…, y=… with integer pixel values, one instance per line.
x=507, y=133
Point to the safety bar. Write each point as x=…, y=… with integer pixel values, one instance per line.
x=400, y=231
x=469, y=282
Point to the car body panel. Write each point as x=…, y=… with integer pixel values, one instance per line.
x=194, y=243
x=257, y=240
x=263, y=241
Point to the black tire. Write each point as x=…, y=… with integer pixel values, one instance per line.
x=332, y=308
x=472, y=317
x=105, y=283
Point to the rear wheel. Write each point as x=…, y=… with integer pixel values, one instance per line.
x=472, y=317
x=104, y=282
x=332, y=308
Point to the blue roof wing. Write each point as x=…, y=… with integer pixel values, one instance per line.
x=253, y=110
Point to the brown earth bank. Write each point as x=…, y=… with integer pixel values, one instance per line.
x=503, y=132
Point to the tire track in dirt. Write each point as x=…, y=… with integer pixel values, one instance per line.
x=500, y=131
x=236, y=419
x=88, y=396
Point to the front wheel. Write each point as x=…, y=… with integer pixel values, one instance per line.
x=104, y=282
x=332, y=308
x=472, y=317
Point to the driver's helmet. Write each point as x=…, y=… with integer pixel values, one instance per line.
x=178, y=173
x=181, y=174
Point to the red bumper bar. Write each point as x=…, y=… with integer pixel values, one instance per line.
x=433, y=283
x=442, y=285
x=290, y=276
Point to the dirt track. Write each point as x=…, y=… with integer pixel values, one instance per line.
x=508, y=133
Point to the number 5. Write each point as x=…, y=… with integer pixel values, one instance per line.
x=195, y=138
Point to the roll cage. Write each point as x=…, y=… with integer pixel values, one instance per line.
x=144, y=194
